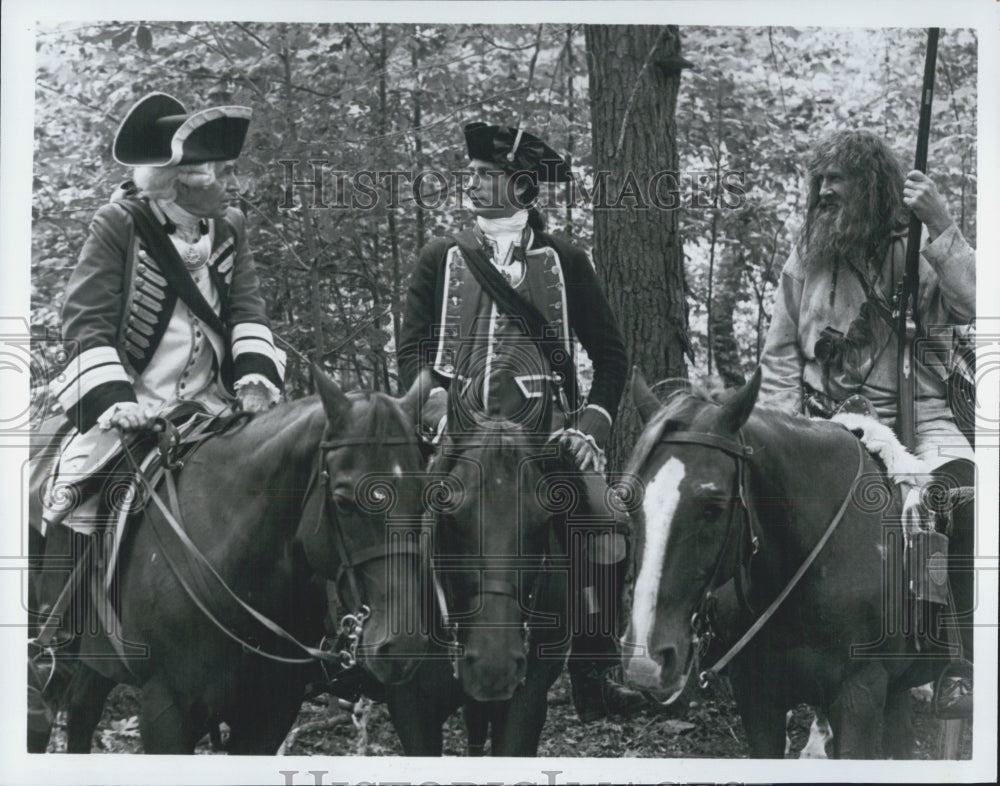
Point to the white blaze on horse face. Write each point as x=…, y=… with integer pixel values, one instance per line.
x=658, y=506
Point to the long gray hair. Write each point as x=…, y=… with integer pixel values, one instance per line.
x=160, y=182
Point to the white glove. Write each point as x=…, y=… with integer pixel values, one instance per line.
x=254, y=397
x=128, y=416
x=582, y=447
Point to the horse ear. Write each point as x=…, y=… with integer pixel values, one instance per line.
x=413, y=400
x=335, y=402
x=738, y=408
x=647, y=404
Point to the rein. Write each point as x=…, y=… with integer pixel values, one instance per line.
x=496, y=587
x=351, y=624
x=699, y=621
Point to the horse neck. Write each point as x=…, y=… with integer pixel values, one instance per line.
x=278, y=452
x=801, y=474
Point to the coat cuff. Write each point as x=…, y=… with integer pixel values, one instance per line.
x=90, y=383
x=254, y=353
x=596, y=422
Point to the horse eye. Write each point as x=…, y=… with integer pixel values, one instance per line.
x=343, y=501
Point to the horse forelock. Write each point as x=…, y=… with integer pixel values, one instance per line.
x=498, y=441
x=676, y=414
x=382, y=417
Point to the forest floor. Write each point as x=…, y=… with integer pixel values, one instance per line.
x=708, y=727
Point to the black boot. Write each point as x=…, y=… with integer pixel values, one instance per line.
x=54, y=594
x=953, y=688
x=598, y=691
x=595, y=660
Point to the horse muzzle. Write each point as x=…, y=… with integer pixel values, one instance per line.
x=391, y=659
x=492, y=676
x=659, y=675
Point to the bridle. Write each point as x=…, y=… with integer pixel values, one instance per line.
x=742, y=534
x=498, y=587
x=501, y=587
x=351, y=626
x=741, y=541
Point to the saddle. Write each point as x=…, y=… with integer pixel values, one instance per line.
x=926, y=537
x=120, y=498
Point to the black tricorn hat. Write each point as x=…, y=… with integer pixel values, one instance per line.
x=158, y=131
x=515, y=150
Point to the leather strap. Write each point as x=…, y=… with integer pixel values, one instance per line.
x=735, y=449
x=513, y=304
x=171, y=265
x=199, y=558
x=792, y=583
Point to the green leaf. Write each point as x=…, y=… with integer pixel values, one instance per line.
x=121, y=38
x=143, y=38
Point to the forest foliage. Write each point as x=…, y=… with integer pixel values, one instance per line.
x=359, y=98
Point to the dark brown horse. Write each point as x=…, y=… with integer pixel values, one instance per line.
x=503, y=571
x=323, y=489
x=736, y=500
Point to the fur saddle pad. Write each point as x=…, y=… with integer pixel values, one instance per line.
x=900, y=465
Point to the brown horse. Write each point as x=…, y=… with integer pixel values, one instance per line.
x=736, y=500
x=225, y=630
x=503, y=570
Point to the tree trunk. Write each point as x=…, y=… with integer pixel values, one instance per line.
x=418, y=150
x=309, y=228
x=721, y=333
x=571, y=115
x=637, y=252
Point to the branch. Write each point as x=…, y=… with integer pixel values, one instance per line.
x=364, y=326
x=80, y=101
x=361, y=40
x=635, y=89
x=229, y=58
x=278, y=232
x=253, y=35
x=774, y=59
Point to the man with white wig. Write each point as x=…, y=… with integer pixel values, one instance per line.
x=163, y=310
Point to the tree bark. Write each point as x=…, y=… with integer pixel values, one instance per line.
x=637, y=252
x=721, y=331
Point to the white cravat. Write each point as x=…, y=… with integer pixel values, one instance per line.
x=193, y=247
x=181, y=217
x=505, y=232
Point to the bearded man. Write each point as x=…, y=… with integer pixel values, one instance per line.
x=832, y=334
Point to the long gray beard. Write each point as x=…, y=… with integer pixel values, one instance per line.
x=832, y=240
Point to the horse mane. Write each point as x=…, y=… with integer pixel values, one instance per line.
x=383, y=418
x=674, y=414
x=679, y=407
x=283, y=435
x=501, y=440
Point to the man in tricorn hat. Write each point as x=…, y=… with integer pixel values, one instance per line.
x=163, y=309
x=456, y=324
